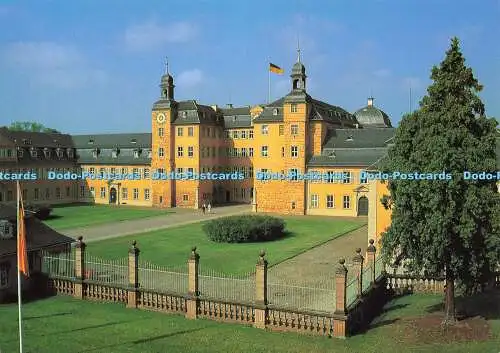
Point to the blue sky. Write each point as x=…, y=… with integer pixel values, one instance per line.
x=94, y=66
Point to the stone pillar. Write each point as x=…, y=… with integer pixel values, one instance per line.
x=340, y=319
x=370, y=253
x=133, y=275
x=79, y=268
x=192, y=299
x=358, y=268
x=254, y=200
x=261, y=310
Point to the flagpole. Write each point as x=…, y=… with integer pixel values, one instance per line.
x=19, y=298
x=269, y=84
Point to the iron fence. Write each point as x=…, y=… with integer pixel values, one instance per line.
x=162, y=278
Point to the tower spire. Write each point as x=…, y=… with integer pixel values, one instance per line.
x=298, y=48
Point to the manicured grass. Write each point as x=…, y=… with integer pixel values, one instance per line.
x=74, y=216
x=172, y=246
x=67, y=325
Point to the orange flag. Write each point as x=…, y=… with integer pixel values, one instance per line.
x=22, y=254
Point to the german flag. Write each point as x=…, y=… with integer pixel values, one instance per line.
x=22, y=256
x=276, y=69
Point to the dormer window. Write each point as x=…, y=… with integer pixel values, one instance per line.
x=202, y=115
x=149, y=153
x=46, y=152
x=133, y=141
x=115, y=153
x=34, y=153
x=91, y=142
x=70, y=152
x=95, y=152
x=275, y=111
x=137, y=153
x=349, y=138
x=6, y=229
x=184, y=114
x=234, y=118
x=20, y=152
x=59, y=153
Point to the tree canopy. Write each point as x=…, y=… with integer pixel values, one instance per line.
x=30, y=126
x=448, y=227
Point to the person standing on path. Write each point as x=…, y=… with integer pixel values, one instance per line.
x=203, y=208
x=209, y=207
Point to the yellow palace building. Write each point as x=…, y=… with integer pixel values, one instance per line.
x=285, y=142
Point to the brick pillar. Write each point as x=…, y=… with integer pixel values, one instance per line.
x=133, y=275
x=340, y=320
x=261, y=310
x=358, y=268
x=79, y=268
x=192, y=299
x=370, y=253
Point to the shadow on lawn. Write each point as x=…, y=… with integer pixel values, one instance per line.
x=486, y=305
x=145, y=340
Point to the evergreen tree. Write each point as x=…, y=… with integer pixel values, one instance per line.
x=446, y=227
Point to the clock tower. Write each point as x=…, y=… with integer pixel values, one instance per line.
x=162, y=142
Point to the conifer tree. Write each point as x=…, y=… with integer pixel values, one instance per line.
x=451, y=227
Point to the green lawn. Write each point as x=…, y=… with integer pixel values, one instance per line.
x=66, y=325
x=172, y=246
x=74, y=216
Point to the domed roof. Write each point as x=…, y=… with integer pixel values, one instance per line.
x=371, y=116
x=298, y=69
x=167, y=78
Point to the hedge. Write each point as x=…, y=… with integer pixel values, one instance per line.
x=244, y=229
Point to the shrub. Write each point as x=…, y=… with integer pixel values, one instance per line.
x=244, y=229
x=41, y=212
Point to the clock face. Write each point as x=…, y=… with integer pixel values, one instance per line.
x=160, y=118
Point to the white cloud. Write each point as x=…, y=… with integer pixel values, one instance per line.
x=381, y=73
x=151, y=35
x=190, y=78
x=52, y=64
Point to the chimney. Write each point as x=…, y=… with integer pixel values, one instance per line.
x=214, y=107
x=229, y=105
x=370, y=101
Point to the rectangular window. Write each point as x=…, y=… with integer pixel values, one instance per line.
x=294, y=174
x=314, y=201
x=161, y=152
x=295, y=151
x=235, y=134
x=58, y=193
x=264, y=129
x=243, y=152
x=282, y=151
x=243, y=134
x=146, y=194
x=347, y=201
x=213, y=152
x=82, y=191
x=209, y=131
x=92, y=191
x=294, y=129
x=185, y=197
x=208, y=152
x=250, y=134
x=180, y=131
x=113, y=170
x=146, y=173
x=264, y=151
x=190, y=131
x=180, y=151
x=135, y=171
x=250, y=152
x=362, y=177
x=281, y=130
x=124, y=194
x=346, y=178
x=103, y=193
x=68, y=191
x=180, y=170
x=92, y=170
x=190, y=170
x=161, y=131
x=293, y=108
x=330, y=201
x=226, y=134
x=190, y=151
x=136, y=194
x=331, y=177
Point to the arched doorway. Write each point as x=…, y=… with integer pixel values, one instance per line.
x=363, y=206
x=112, y=195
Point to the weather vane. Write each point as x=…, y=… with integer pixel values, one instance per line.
x=166, y=65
